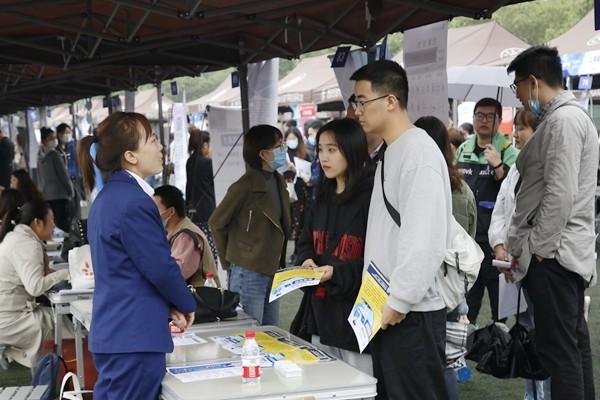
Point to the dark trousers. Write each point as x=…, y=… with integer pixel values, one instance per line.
x=131, y=376
x=409, y=359
x=487, y=278
x=60, y=209
x=562, y=337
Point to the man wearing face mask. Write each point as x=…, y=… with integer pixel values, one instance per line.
x=551, y=237
x=189, y=245
x=251, y=225
x=54, y=180
x=484, y=160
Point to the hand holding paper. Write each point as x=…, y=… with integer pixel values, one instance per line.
x=390, y=317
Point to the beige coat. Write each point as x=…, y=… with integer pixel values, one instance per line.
x=23, y=276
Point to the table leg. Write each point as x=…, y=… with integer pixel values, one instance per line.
x=79, y=351
x=57, y=330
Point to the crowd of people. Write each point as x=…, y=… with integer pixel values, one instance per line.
x=383, y=190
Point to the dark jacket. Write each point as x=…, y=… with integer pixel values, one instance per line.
x=53, y=176
x=246, y=231
x=7, y=155
x=200, y=188
x=334, y=234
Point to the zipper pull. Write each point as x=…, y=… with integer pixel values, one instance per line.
x=249, y=220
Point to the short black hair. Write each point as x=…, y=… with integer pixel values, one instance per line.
x=386, y=77
x=45, y=133
x=171, y=196
x=61, y=128
x=489, y=102
x=259, y=137
x=467, y=126
x=316, y=125
x=543, y=62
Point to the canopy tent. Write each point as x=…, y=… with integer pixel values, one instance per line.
x=220, y=92
x=483, y=44
x=581, y=38
x=55, y=52
x=310, y=73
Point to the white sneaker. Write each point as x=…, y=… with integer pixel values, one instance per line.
x=586, y=306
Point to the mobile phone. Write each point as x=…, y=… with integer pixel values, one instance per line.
x=501, y=264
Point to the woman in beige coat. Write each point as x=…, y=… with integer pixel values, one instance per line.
x=24, y=275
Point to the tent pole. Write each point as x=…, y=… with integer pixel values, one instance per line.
x=73, y=128
x=161, y=130
x=244, y=96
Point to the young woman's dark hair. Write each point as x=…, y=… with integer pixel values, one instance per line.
x=24, y=214
x=45, y=133
x=197, y=139
x=259, y=137
x=26, y=186
x=10, y=202
x=171, y=196
x=438, y=132
x=352, y=143
x=526, y=118
x=118, y=133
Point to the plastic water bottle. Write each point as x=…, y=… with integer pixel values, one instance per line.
x=251, y=371
x=210, y=281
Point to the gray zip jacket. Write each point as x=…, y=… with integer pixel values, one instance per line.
x=554, y=213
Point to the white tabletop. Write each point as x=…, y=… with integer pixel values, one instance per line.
x=324, y=380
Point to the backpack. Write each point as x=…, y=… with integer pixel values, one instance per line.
x=462, y=262
x=47, y=372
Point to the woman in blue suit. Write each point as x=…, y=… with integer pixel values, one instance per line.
x=138, y=283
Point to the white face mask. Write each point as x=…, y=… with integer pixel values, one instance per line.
x=53, y=143
x=292, y=144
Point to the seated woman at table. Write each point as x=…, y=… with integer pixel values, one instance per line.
x=10, y=201
x=333, y=240
x=24, y=272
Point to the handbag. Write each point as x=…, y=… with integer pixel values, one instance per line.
x=214, y=304
x=513, y=355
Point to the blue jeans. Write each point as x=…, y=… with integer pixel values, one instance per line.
x=254, y=289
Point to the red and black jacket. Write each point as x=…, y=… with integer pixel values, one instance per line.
x=334, y=234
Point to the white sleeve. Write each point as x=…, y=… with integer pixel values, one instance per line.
x=498, y=230
x=422, y=238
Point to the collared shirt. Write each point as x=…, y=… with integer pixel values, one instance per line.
x=143, y=184
x=375, y=152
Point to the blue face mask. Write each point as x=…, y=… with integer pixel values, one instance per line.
x=312, y=140
x=534, y=105
x=279, y=160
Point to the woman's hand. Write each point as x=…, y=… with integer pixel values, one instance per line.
x=309, y=264
x=327, y=271
x=501, y=253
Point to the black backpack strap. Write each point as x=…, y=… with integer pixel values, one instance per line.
x=198, y=242
x=391, y=210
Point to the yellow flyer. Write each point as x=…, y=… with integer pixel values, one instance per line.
x=291, y=279
x=365, y=317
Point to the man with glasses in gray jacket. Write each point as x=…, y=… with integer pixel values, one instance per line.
x=551, y=237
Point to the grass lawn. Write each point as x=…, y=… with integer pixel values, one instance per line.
x=480, y=387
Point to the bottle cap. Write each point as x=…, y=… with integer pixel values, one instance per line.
x=250, y=334
x=210, y=275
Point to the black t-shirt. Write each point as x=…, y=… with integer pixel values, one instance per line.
x=478, y=150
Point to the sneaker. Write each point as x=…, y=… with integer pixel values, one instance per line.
x=586, y=306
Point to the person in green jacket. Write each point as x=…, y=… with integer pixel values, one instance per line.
x=484, y=160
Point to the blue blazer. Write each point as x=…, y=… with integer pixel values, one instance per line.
x=137, y=280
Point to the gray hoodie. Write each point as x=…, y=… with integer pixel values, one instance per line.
x=554, y=213
x=53, y=176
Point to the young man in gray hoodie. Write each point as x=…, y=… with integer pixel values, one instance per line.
x=409, y=352
x=551, y=237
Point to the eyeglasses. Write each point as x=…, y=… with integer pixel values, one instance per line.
x=481, y=117
x=513, y=85
x=359, y=105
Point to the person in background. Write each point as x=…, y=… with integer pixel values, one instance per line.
x=465, y=213
x=311, y=138
x=466, y=129
x=252, y=224
x=64, y=136
x=21, y=180
x=200, y=186
x=551, y=238
x=409, y=352
x=24, y=324
x=54, y=180
x=138, y=285
x=10, y=201
x=525, y=124
x=484, y=160
x=333, y=240
x=456, y=139
x=67, y=147
x=297, y=150
x=189, y=245
x=7, y=156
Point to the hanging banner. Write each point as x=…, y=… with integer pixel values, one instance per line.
x=262, y=92
x=425, y=58
x=179, y=154
x=225, y=125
